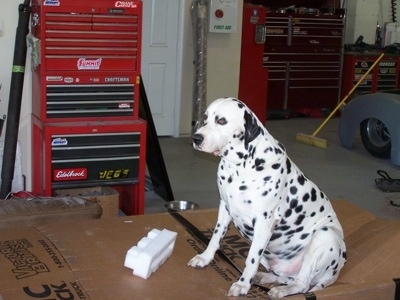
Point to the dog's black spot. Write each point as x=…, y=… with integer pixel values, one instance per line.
x=226, y=152
x=240, y=154
x=258, y=164
x=312, y=214
x=290, y=232
x=276, y=166
x=321, y=209
x=325, y=228
x=313, y=195
x=265, y=193
x=275, y=235
x=288, y=213
x=304, y=236
x=288, y=166
x=283, y=227
x=306, y=197
x=253, y=261
x=278, y=151
x=243, y=187
x=301, y=179
x=299, y=219
x=260, y=252
x=293, y=190
x=267, y=178
x=293, y=203
x=299, y=209
x=265, y=214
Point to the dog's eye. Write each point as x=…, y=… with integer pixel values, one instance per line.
x=221, y=121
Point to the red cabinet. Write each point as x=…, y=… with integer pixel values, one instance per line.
x=303, y=53
x=384, y=76
x=86, y=129
x=253, y=79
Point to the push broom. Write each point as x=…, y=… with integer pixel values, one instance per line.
x=312, y=139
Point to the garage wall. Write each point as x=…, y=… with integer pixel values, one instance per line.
x=223, y=63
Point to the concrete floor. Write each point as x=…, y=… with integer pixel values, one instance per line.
x=340, y=172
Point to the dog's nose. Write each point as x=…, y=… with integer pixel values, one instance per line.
x=198, y=139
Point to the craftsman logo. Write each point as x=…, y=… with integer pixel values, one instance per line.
x=51, y=3
x=70, y=174
x=54, y=78
x=116, y=79
x=114, y=174
x=128, y=4
x=124, y=106
x=89, y=64
x=269, y=30
x=59, y=142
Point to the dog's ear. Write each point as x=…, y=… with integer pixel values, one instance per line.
x=251, y=128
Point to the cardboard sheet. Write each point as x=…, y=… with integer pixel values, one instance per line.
x=84, y=260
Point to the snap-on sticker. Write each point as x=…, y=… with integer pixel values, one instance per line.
x=59, y=142
x=51, y=2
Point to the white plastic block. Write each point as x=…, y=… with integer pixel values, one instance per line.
x=150, y=252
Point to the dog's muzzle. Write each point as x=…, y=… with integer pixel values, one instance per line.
x=198, y=139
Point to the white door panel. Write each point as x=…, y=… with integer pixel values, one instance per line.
x=159, y=61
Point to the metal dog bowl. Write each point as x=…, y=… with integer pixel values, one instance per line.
x=181, y=205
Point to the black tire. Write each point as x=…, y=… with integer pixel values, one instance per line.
x=376, y=138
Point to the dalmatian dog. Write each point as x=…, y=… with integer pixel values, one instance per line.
x=293, y=229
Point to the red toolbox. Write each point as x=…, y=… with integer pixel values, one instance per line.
x=83, y=154
x=86, y=59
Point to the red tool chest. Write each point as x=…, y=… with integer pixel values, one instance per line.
x=83, y=154
x=253, y=78
x=303, y=53
x=86, y=59
x=85, y=110
x=385, y=76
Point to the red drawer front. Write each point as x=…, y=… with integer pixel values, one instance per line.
x=103, y=31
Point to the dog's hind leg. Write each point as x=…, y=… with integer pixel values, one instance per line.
x=203, y=259
x=322, y=261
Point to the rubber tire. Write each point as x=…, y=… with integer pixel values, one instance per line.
x=376, y=138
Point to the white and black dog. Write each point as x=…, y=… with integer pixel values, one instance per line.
x=294, y=230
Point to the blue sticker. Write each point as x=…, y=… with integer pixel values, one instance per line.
x=51, y=2
x=59, y=142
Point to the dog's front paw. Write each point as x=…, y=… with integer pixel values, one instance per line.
x=199, y=261
x=239, y=289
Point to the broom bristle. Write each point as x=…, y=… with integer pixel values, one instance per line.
x=312, y=140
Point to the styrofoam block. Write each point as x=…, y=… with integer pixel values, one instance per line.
x=150, y=252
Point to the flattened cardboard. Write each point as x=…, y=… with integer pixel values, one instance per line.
x=84, y=260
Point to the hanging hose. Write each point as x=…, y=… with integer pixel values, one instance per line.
x=199, y=13
x=14, y=104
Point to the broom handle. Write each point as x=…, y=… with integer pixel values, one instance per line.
x=348, y=94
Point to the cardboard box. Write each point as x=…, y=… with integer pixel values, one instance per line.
x=107, y=197
x=84, y=260
x=32, y=211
